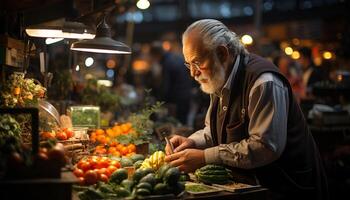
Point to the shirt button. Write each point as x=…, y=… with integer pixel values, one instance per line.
x=224, y=108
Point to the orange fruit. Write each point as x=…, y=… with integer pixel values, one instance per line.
x=125, y=128
x=111, y=150
x=132, y=148
x=113, y=144
x=116, y=153
x=100, y=131
x=124, y=151
x=120, y=146
x=110, y=132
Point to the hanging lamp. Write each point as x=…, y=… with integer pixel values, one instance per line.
x=67, y=29
x=102, y=43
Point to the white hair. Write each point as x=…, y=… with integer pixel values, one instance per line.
x=214, y=33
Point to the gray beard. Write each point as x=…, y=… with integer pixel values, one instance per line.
x=217, y=81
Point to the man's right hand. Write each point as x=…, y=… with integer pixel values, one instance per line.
x=180, y=143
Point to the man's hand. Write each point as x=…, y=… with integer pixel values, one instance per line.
x=187, y=160
x=180, y=143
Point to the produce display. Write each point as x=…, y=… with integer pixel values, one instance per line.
x=60, y=134
x=106, y=162
x=144, y=183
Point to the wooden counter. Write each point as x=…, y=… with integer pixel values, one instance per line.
x=254, y=194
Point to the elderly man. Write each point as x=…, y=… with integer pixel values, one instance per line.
x=254, y=124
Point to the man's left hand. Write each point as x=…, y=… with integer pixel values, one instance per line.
x=187, y=160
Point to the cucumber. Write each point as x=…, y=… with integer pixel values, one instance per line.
x=160, y=189
x=172, y=176
x=122, y=192
x=118, y=176
x=142, y=192
x=145, y=186
x=149, y=178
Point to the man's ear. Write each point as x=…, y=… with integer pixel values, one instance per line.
x=223, y=53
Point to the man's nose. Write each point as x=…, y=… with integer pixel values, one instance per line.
x=195, y=72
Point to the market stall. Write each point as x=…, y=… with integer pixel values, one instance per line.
x=71, y=154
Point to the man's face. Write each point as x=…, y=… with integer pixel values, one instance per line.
x=205, y=66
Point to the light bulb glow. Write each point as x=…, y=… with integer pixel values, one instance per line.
x=89, y=61
x=288, y=50
x=143, y=4
x=247, y=39
x=295, y=55
x=77, y=68
x=327, y=55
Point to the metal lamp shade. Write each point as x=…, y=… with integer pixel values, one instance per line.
x=101, y=45
x=72, y=30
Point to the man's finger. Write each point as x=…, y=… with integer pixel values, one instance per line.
x=173, y=156
x=181, y=147
x=176, y=162
x=167, y=150
x=175, y=140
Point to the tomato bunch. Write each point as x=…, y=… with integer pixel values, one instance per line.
x=47, y=163
x=61, y=134
x=92, y=169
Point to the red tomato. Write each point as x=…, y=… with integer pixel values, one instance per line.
x=41, y=160
x=61, y=135
x=115, y=163
x=42, y=156
x=103, y=178
x=47, y=135
x=111, y=169
x=90, y=177
x=69, y=133
x=81, y=181
x=97, y=172
x=80, y=163
x=84, y=165
x=15, y=160
x=94, y=163
x=103, y=171
x=57, y=155
x=43, y=150
x=78, y=172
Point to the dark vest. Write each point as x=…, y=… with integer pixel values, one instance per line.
x=298, y=173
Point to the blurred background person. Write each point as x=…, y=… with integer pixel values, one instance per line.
x=176, y=84
x=311, y=73
x=292, y=73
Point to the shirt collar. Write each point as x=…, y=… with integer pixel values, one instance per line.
x=230, y=78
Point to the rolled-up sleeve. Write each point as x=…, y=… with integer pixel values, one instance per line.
x=202, y=138
x=267, y=111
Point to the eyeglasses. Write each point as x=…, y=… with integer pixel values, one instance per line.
x=194, y=64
